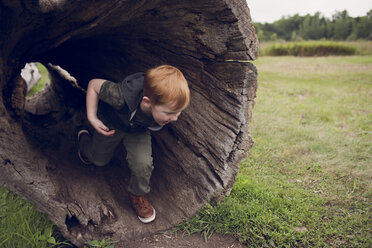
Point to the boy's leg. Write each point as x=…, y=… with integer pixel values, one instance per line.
x=99, y=149
x=139, y=157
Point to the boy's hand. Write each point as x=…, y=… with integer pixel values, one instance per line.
x=94, y=88
x=101, y=128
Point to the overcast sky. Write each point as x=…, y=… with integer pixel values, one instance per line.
x=272, y=10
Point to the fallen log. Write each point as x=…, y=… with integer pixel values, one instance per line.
x=196, y=159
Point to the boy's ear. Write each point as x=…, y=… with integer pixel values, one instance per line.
x=146, y=101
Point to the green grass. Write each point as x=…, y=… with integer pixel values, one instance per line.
x=315, y=48
x=22, y=226
x=363, y=47
x=310, y=168
x=310, y=48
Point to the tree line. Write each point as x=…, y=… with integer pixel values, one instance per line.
x=316, y=27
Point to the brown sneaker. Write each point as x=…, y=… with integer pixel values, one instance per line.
x=142, y=206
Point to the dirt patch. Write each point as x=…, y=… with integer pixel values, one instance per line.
x=168, y=240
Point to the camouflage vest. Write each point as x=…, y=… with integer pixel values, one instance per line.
x=123, y=119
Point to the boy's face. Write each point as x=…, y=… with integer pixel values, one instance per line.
x=163, y=114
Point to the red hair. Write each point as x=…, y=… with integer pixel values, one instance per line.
x=166, y=84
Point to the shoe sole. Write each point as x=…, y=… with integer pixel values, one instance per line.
x=79, y=153
x=148, y=219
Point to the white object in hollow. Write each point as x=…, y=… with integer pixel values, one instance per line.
x=31, y=75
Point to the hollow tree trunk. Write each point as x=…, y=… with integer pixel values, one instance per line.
x=195, y=159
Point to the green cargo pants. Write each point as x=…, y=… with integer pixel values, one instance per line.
x=99, y=149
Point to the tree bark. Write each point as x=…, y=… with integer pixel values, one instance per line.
x=196, y=158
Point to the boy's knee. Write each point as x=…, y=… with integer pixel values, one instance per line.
x=99, y=161
x=141, y=165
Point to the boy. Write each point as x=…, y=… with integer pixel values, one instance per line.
x=127, y=112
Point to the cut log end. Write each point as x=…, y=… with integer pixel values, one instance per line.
x=196, y=158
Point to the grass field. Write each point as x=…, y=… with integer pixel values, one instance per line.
x=307, y=182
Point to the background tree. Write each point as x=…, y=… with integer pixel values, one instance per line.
x=362, y=27
x=342, y=25
x=315, y=27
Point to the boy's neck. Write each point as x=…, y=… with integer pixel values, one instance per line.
x=145, y=110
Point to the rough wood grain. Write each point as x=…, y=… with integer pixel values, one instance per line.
x=196, y=158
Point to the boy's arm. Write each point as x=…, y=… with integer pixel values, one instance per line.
x=93, y=90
